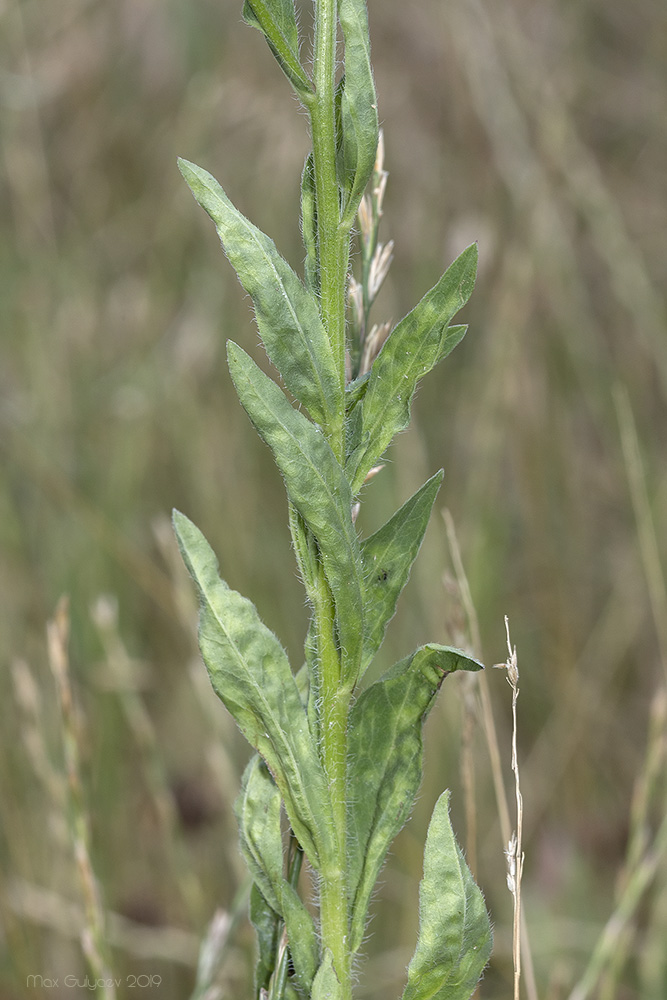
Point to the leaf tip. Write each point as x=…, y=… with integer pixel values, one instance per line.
x=183, y=529
x=186, y=168
x=177, y=519
x=235, y=357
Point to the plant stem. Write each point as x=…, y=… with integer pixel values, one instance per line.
x=333, y=239
x=335, y=701
x=334, y=248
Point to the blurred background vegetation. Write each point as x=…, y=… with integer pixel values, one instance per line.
x=540, y=130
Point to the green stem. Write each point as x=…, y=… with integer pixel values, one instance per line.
x=333, y=239
x=335, y=703
x=334, y=249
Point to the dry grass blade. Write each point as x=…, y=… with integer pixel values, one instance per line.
x=51, y=911
x=93, y=934
x=648, y=540
x=643, y=859
x=514, y=850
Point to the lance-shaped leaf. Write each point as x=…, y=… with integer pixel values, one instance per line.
x=266, y=923
x=455, y=938
x=413, y=348
x=385, y=763
x=301, y=937
x=355, y=391
x=388, y=556
x=288, y=316
x=317, y=487
x=309, y=226
x=250, y=673
x=276, y=20
x=359, y=117
x=257, y=810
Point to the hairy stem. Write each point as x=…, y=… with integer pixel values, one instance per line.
x=334, y=248
x=333, y=239
x=334, y=709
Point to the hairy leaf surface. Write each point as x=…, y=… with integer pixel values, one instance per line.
x=257, y=811
x=413, y=348
x=455, y=938
x=317, y=487
x=288, y=316
x=326, y=985
x=359, y=115
x=265, y=921
x=276, y=20
x=388, y=556
x=250, y=673
x=385, y=763
x=301, y=937
x=309, y=226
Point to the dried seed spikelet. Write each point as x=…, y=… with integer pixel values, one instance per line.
x=356, y=507
x=372, y=345
x=373, y=472
x=366, y=221
x=380, y=176
x=355, y=298
x=380, y=264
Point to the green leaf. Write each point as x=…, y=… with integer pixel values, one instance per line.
x=301, y=936
x=288, y=316
x=309, y=226
x=413, y=348
x=359, y=115
x=317, y=487
x=311, y=650
x=305, y=551
x=385, y=763
x=257, y=811
x=265, y=921
x=250, y=673
x=355, y=391
x=455, y=937
x=326, y=985
x=276, y=20
x=388, y=556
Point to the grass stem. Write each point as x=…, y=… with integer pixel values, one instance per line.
x=93, y=936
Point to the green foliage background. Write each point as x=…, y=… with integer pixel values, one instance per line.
x=536, y=129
